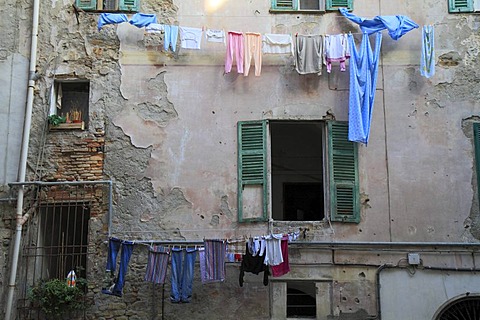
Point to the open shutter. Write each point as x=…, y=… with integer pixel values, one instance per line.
x=86, y=4
x=284, y=4
x=252, y=171
x=335, y=4
x=129, y=5
x=476, y=139
x=343, y=173
x=460, y=5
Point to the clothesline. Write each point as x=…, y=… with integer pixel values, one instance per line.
x=234, y=239
x=259, y=252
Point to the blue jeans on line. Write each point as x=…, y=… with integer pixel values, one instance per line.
x=183, y=263
x=114, y=246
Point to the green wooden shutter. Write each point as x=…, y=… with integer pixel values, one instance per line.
x=284, y=4
x=476, y=139
x=335, y=4
x=252, y=163
x=86, y=4
x=343, y=173
x=460, y=5
x=129, y=5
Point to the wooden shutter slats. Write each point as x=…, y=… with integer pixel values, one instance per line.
x=86, y=4
x=460, y=6
x=335, y=4
x=344, y=198
x=252, y=163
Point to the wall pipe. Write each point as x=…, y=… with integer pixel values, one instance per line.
x=23, y=157
x=333, y=244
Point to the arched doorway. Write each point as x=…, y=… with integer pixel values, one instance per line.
x=463, y=307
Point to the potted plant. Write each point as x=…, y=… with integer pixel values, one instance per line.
x=55, y=120
x=56, y=299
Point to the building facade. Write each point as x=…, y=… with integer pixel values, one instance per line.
x=165, y=147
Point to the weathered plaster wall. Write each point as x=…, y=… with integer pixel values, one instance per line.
x=424, y=292
x=170, y=141
x=428, y=152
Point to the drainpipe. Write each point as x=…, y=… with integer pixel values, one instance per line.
x=23, y=158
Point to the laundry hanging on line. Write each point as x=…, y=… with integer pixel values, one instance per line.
x=212, y=254
x=427, y=60
x=397, y=25
x=363, y=83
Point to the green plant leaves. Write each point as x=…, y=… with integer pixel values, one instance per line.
x=55, y=298
x=55, y=120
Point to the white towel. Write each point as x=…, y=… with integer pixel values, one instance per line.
x=213, y=35
x=190, y=38
x=277, y=43
x=155, y=28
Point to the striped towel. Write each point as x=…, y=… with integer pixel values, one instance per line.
x=157, y=264
x=214, y=260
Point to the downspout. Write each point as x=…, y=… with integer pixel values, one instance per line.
x=23, y=159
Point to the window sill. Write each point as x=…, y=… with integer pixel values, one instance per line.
x=67, y=126
x=277, y=11
x=109, y=11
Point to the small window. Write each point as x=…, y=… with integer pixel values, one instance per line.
x=311, y=5
x=70, y=100
x=109, y=5
x=301, y=300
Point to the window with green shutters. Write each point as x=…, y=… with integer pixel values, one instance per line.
x=252, y=170
x=476, y=139
x=335, y=4
x=128, y=5
x=455, y=6
x=109, y=5
x=343, y=173
x=310, y=5
x=311, y=165
x=284, y=4
x=87, y=4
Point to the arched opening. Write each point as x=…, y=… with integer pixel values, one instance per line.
x=464, y=307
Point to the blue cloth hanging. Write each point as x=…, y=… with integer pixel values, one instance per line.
x=397, y=26
x=111, y=18
x=363, y=82
x=141, y=20
x=427, y=62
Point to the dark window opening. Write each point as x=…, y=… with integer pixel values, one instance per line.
x=110, y=5
x=301, y=300
x=302, y=201
x=297, y=170
x=75, y=97
x=63, y=238
x=72, y=101
x=309, y=5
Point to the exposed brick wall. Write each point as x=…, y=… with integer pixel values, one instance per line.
x=70, y=157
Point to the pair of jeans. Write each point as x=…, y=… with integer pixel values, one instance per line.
x=114, y=246
x=183, y=263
